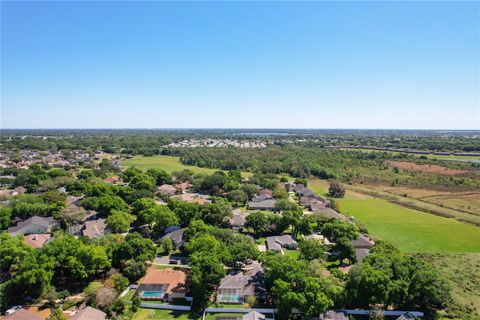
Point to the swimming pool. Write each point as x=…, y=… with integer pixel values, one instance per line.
x=153, y=294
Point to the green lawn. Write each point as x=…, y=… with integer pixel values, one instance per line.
x=213, y=316
x=144, y=314
x=167, y=163
x=295, y=254
x=412, y=230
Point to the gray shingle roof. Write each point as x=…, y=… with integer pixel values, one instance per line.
x=278, y=242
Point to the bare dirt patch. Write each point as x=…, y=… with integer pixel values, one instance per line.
x=428, y=168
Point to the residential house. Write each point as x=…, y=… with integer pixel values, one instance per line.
x=192, y=198
x=313, y=203
x=22, y=314
x=330, y=213
x=94, y=228
x=238, y=219
x=277, y=243
x=266, y=192
x=302, y=191
x=334, y=315
x=163, y=284
x=407, y=316
x=236, y=288
x=89, y=313
x=37, y=240
x=113, y=180
x=34, y=224
x=262, y=202
x=362, y=247
x=166, y=190
x=183, y=187
x=176, y=236
x=253, y=315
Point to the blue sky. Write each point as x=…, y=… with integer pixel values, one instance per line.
x=240, y=65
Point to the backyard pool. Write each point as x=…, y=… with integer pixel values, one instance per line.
x=153, y=294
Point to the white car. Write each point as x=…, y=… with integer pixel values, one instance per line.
x=12, y=310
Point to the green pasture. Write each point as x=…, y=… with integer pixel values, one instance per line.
x=412, y=230
x=167, y=163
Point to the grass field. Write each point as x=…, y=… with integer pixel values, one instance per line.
x=412, y=230
x=144, y=314
x=166, y=163
x=465, y=281
x=429, y=156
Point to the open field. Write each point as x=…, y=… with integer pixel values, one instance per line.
x=428, y=156
x=320, y=187
x=144, y=314
x=429, y=168
x=412, y=230
x=464, y=280
x=166, y=163
x=462, y=208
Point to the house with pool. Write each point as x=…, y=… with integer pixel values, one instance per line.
x=163, y=284
x=236, y=287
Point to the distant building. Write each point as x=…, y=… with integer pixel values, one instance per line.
x=34, y=224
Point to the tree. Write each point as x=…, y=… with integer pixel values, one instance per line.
x=75, y=260
x=345, y=250
x=119, y=221
x=285, y=205
x=336, y=229
x=205, y=274
x=250, y=189
x=239, y=197
x=258, y=221
x=143, y=204
x=185, y=211
x=336, y=190
x=130, y=172
x=134, y=270
x=391, y=278
x=311, y=249
x=167, y=245
x=160, y=176
x=143, y=181
x=134, y=247
x=119, y=282
x=159, y=217
x=242, y=248
x=216, y=214
x=280, y=193
x=5, y=217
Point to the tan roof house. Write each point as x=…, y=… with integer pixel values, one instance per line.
x=89, y=313
x=165, y=284
x=37, y=240
x=22, y=314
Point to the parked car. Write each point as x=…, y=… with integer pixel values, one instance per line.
x=12, y=310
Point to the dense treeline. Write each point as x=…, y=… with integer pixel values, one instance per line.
x=346, y=165
x=150, y=142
